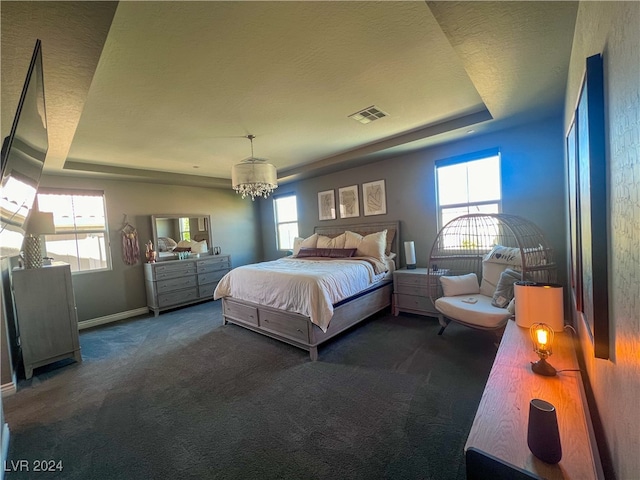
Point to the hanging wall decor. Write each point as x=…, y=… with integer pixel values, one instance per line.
x=327, y=205
x=374, y=198
x=349, y=205
x=130, y=246
x=587, y=177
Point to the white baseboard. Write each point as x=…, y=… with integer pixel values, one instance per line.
x=5, y=448
x=112, y=318
x=8, y=388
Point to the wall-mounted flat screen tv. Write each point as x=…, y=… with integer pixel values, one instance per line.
x=23, y=154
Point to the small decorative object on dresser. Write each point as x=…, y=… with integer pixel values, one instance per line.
x=176, y=283
x=150, y=253
x=411, y=291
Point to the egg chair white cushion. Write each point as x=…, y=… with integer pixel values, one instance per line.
x=473, y=310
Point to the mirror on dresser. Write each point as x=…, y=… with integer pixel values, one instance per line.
x=170, y=230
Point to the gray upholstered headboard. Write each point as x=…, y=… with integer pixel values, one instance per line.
x=393, y=232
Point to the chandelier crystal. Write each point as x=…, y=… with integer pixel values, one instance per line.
x=254, y=177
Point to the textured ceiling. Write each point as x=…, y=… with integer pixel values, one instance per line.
x=150, y=90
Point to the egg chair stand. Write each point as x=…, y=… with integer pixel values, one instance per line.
x=490, y=246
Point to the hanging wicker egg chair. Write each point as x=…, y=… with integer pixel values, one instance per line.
x=470, y=244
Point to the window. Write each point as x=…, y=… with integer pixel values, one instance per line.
x=286, y=215
x=468, y=185
x=81, y=228
x=185, y=233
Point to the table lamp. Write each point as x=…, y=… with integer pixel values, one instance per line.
x=410, y=255
x=40, y=223
x=542, y=337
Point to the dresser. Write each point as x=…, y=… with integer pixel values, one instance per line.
x=175, y=283
x=411, y=291
x=46, y=315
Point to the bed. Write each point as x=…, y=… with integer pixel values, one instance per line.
x=299, y=329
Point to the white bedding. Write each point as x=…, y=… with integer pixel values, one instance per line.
x=306, y=286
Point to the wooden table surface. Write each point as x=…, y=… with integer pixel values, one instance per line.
x=500, y=425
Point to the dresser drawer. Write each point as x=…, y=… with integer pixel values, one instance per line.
x=412, y=302
x=163, y=272
x=295, y=328
x=213, y=264
x=170, y=285
x=177, y=297
x=240, y=312
x=205, y=278
x=411, y=280
x=420, y=290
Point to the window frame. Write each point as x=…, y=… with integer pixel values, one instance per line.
x=75, y=232
x=277, y=223
x=466, y=159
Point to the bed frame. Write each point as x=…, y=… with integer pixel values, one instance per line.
x=296, y=329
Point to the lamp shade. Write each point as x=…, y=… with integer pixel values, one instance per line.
x=539, y=302
x=40, y=223
x=254, y=171
x=254, y=177
x=410, y=254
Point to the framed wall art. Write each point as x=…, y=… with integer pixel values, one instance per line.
x=327, y=205
x=374, y=198
x=587, y=189
x=349, y=205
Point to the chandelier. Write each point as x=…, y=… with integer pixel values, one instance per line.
x=254, y=177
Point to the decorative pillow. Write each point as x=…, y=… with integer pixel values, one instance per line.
x=328, y=242
x=199, y=247
x=504, y=255
x=391, y=234
x=297, y=241
x=309, y=242
x=494, y=263
x=352, y=239
x=166, y=244
x=326, y=252
x=372, y=245
x=504, y=290
x=459, y=285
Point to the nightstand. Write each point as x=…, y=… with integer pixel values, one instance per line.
x=411, y=291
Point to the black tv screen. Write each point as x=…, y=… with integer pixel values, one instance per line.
x=23, y=155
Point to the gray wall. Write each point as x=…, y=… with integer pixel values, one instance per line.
x=234, y=228
x=613, y=29
x=533, y=186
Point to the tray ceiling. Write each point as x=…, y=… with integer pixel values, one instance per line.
x=151, y=90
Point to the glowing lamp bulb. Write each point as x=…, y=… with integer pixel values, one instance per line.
x=542, y=338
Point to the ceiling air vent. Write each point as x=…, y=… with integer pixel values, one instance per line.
x=368, y=115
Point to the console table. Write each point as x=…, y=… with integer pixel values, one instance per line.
x=176, y=283
x=500, y=425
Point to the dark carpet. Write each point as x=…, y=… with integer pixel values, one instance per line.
x=181, y=396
